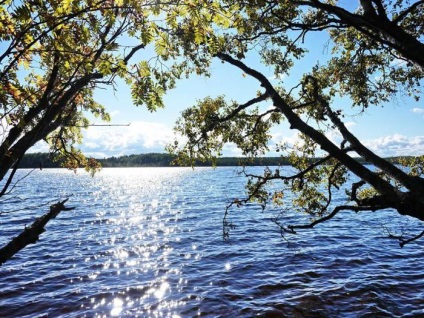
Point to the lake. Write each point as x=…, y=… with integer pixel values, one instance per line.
x=147, y=242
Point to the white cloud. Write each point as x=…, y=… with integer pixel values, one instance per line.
x=392, y=145
x=278, y=77
x=142, y=137
x=397, y=145
x=40, y=146
x=284, y=138
x=136, y=138
x=231, y=150
x=114, y=113
x=4, y=129
x=417, y=110
x=350, y=124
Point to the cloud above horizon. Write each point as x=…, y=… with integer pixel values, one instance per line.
x=138, y=137
x=417, y=110
x=387, y=146
x=144, y=137
x=396, y=145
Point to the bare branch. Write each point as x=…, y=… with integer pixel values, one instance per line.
x=402, y=241
x=295, y=176
x=11, y=176
x=330, y=216
x=31, y=234
x=241, y=107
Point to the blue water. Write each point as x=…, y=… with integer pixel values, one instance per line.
x=147, y=242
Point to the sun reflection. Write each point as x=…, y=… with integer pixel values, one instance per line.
x=160, y=292
x=132, y=262
x=155, y=203
x=117, y=304
x=227, y=266
x=122, y=254
x=141, y=228
x=93, y=275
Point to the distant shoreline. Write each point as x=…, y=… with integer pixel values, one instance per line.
x=36, y=160
x=42, y=160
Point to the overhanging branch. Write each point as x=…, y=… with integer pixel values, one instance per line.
x=297, y=123
x=32, y=233
x=402, y=241
x=330, y=216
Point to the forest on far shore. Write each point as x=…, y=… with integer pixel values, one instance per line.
x=44, y=160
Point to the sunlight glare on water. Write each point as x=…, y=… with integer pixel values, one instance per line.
x=117, y=307
x=148, y=242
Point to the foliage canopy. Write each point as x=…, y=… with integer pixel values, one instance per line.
x=55, y=54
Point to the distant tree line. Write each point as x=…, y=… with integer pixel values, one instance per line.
x=39, y=160
x=44, y=160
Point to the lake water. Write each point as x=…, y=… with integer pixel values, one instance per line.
x=147, y=242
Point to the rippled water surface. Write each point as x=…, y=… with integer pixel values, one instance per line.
x=147, y=242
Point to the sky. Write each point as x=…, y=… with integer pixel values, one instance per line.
x=392, y=130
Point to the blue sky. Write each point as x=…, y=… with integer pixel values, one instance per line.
x=395, y=129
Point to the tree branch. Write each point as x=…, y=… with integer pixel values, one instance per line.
x=402, y=241
x=408, y=11
x=411, y=184
x=241, y=107
x=388, y=32
x=297, y=123
x=300, y=174
x=329, y=216
x=31, y=234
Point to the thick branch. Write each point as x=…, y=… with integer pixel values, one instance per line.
x=412, y=184
x=132, y=52
x=297, y=123
x=31, y=234
x=403, y=242
x=44, y=126
x=387, y=32
x=16, y=131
